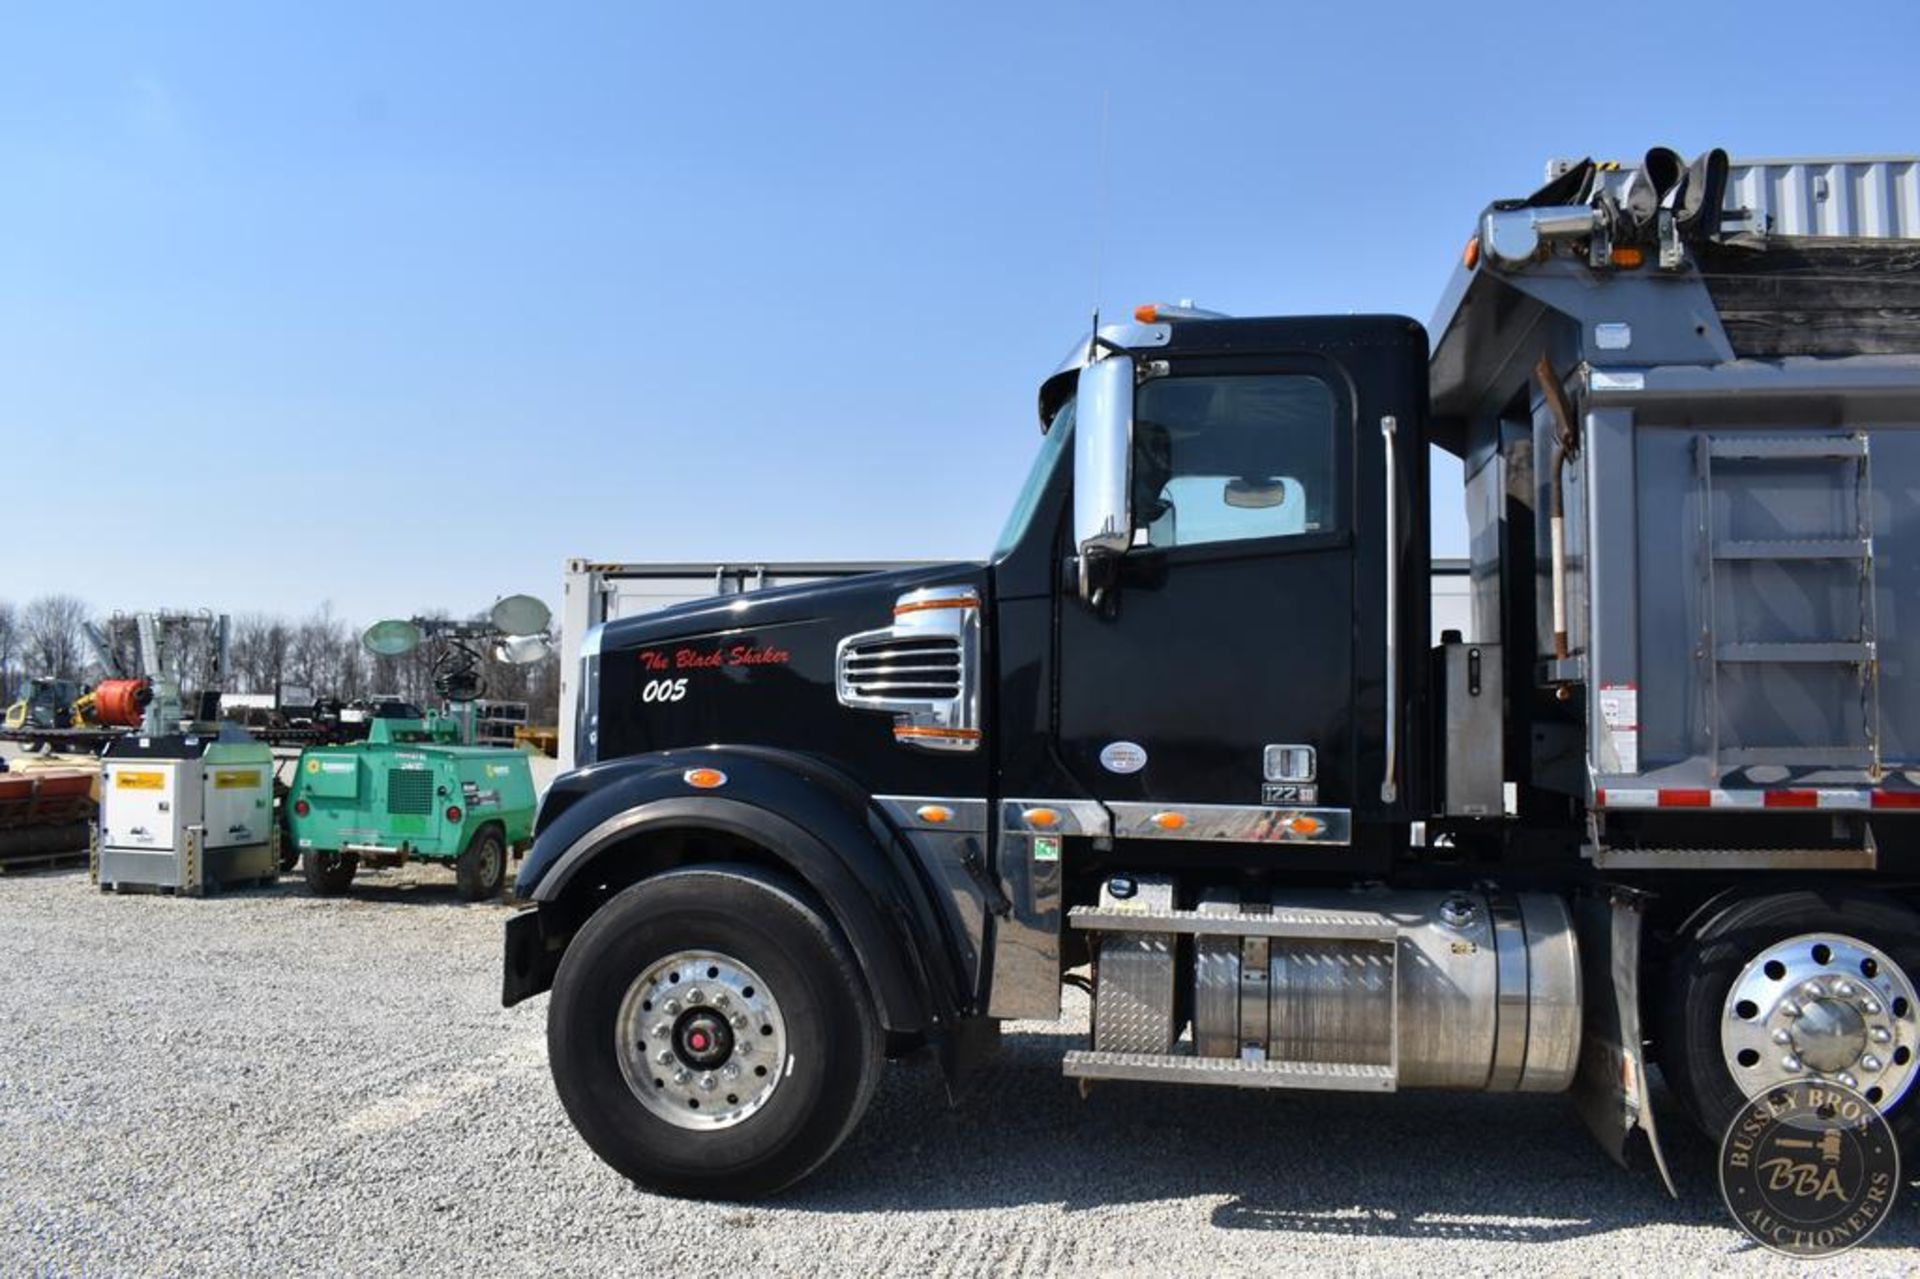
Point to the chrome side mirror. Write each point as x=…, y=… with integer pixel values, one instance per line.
x=1102, y=470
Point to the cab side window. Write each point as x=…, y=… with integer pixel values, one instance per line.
x=1224, y=459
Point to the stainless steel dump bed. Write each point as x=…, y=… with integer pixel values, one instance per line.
x=1740, y=484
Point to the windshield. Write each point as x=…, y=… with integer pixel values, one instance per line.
x=1051, y=446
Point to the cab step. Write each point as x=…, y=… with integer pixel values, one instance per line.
x=1232, y=1072
x=1296, y=924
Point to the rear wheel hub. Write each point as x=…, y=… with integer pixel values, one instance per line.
x=1822, y=1006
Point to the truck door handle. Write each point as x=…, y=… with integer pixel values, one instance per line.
x=1389, y=791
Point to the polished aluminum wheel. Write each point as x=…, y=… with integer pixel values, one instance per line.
x=700, y=1040
x=1822, y=1006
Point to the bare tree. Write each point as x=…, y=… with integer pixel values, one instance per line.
x=316, y=651
x=56, y=647
x=9, y=650
x=261, y=646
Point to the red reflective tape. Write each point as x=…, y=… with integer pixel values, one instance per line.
x=1896, y=799
x=1599, y=797
x=1686, y=799
x=1792, y=799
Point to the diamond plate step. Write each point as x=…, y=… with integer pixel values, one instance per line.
x=1307, y=925
x=1233, y=1072
x=1727, y=859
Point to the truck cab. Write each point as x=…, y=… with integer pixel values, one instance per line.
x=1181, y=740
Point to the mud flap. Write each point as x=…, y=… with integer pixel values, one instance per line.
x=1610, y=1087
x=528, y=962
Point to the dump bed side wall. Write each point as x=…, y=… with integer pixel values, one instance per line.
x=1751, y=583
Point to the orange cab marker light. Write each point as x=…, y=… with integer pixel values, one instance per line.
x=1147, y=313
x=704, y=778
x=1626, y=255
x=1304, y=825
x=937, y=814
x=1045, y=818
x=947, y=734
x=1168, y=821
x=1470, y=256
x=917, y=606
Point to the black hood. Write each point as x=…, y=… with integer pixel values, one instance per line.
x=758, y=668
x=781, y=606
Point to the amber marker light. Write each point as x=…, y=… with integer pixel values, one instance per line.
x=921, y=606
x=1169, y=821
x=705, y=778
x=1044, y=818
x=1470, y=256
x=1147, y=313
x=1626, y=255
x=1303, y=825
x=935, y=814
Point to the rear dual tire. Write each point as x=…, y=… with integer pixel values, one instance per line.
x=608, y=1024
x=1725, y=1035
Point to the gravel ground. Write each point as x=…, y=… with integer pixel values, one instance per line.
x=270, y=1083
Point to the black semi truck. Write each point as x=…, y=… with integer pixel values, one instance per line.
x=1183, y=740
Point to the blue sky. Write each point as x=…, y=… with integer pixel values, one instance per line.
x=398, y=306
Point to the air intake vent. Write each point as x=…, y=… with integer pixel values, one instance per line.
x=923, y=669
x=893, y=667
x=409, y=791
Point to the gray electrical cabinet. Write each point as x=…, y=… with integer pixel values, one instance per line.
x=1472, y=722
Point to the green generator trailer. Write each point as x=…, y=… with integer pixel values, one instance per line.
x=410, y=792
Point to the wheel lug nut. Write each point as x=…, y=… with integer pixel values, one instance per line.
x=1881, y=1034
x=681, y=1075
x=707, y=1082
x=1782, y=1038
x=733, y=1072
x=661, y=1030
x=721, y=1001
x=1789, y=1008
x=1870, y=1006
x=1846, y=1079
x=1870, y=1063
x=743, y=1046
x=695, y=997
x=664, y=1056
x=739, y=1021
x=1813, y=990
x=672, y=1006
x=1844, y=989
x=1790, y=1062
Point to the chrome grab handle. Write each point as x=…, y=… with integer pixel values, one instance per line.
x=1388, y=790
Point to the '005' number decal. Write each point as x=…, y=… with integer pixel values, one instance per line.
x=664, y=690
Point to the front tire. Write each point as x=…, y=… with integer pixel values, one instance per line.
x=1802, y=985
x=669, y=1003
